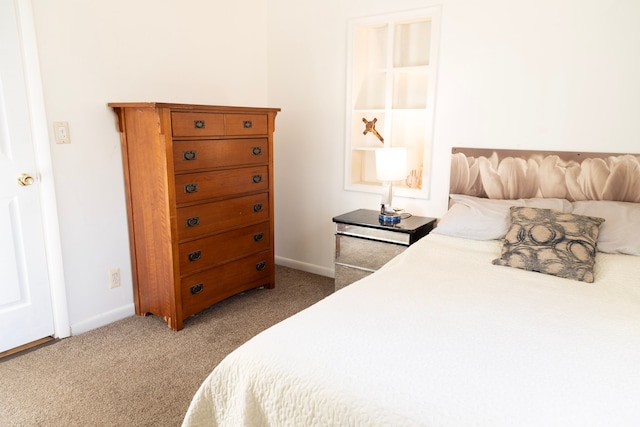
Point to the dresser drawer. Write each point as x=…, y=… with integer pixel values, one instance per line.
x=208, y=218
x=200, y=254
x=364, y=254
x=193, y=187
x=203, y=289
x=246, y=124
x=215, y=153
x=197, y=124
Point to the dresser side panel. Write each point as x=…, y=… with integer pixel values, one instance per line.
x=149, y=192
x=175, y=301
x=271, y=129
x=121, y=127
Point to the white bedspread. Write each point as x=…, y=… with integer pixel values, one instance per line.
x=441, y=337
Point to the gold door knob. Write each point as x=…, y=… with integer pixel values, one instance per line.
x=25, y=179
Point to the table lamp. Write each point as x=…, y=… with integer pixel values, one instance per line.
x=391, y=165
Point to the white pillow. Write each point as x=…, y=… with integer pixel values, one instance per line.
x=562, y=205
x=620, y=232
x=480, y=218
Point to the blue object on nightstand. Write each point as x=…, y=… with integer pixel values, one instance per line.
x=389, y=219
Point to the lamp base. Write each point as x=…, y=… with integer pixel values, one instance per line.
x=389, y=219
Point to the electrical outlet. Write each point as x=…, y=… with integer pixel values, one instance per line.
x=114, y=277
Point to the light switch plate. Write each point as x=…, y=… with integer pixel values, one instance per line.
x=61, y=132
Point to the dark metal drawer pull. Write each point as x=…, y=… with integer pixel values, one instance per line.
x=258, y=237
x=257, y=179
x=261, y=265
x=191, y=188
x=189, y=155
x=193, y=221
x=196, y=289
x=248, y=124
x=257, y=207
x=256, y=151
x=195, y=256
x=198, y=124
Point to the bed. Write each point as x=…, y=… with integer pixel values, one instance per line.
x=479, y=323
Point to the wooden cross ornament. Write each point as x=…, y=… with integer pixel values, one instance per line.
x=371, y=127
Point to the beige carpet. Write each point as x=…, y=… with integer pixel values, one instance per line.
x=137, y=372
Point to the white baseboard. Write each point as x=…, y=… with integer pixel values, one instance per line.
x=303, y=266
x=103, y=319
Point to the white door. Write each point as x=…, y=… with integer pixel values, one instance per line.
x=25, y=297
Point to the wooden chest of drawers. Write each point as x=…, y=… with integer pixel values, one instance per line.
x=199, y=187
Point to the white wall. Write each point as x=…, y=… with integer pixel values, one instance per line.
x=556, y=75
x=548, y=74
x=92, y=53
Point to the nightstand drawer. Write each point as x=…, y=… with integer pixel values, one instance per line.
x=382, y=235
x=364, y=254
x=193, y=187
x=216, y=153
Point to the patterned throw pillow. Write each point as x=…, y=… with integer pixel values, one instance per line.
x=551, y=242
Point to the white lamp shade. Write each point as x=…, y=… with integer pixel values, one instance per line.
x=391, y=164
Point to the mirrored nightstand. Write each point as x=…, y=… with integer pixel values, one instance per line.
x=363, y=245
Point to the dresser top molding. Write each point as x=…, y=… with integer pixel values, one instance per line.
x=119, y=106
x=191, y=107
